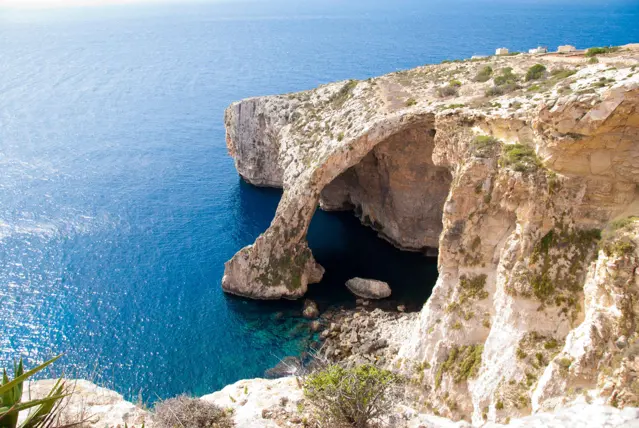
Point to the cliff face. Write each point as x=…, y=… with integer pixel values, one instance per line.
x=527, y=188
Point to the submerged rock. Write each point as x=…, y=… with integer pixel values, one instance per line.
x=368, y=288
x=311, y=310
x=315, y=326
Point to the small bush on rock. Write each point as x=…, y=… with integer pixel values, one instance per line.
x=535, y=72
x=506, y=77
x=483, y=146
x=484, y=74
x=599, y=51
x=411, y=102
x=495, y=91
x=352, y=397
x=447, y=91
x=520, y=158
x=187, y=412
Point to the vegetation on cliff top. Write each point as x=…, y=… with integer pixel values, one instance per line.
x=535, y=72
x=483, y=146
x=592, y=52
x=189, y=412
x=356, y=397
x=38, y=413
x=614, y=241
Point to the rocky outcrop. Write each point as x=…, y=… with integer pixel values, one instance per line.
x=94, y=406
x=364, y=335
x=310, y=310
x=259, y=403
x=527, y=189
x=278, y=403
x=368, y=288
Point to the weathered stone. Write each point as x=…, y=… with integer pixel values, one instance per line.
x=95, y=406
x=315, y=326
x=311, y=310
x=368, y=288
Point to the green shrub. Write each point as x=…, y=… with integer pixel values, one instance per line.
x=462, y=364
x=505, y=77
x=593, y=60
x=615, y=244
x=551, y=344
x=187, y=412
x=564, y=362
x=603, y=82
x=519, y=158
x=600, y=51
x=455, y=83
x=411, y=102
x=356, y=397
x=484, y=74
x=562, y=73
x=535, y=72
x=495, y=91
x=483, y=145
x=345, y=92
x=472, y=288
x=42, y=413
x=619, y=247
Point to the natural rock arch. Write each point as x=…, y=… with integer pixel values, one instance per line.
x=386, y=172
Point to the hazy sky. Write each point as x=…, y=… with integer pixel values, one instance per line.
x=64, y=3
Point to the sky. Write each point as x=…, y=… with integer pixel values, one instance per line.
x=66, y=3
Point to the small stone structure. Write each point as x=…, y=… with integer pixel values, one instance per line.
x=566, y=49
x=502, y=51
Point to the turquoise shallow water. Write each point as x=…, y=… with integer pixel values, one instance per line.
x=119, y=205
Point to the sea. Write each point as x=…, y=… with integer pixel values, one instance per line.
x=119, y=204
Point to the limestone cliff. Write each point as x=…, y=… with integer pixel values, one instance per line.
x=526, y=180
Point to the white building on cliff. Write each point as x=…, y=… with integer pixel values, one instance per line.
x=566, y=49
x=538, y=50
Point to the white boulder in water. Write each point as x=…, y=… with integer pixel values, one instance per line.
x=368, y=288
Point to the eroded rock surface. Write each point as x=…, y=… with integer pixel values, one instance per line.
x=369, y=288
x=95, y=406
x=527, y=188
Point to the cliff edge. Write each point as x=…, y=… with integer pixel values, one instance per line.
x=523, y=171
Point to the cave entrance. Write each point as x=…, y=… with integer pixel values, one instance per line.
x=397, y=194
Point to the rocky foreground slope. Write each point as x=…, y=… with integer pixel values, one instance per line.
x=526, y=180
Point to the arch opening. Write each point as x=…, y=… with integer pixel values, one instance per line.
x=397, y=191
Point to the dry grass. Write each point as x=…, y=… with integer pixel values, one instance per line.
x=187, y=412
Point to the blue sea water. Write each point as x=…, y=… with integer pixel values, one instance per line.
x=119, y=204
